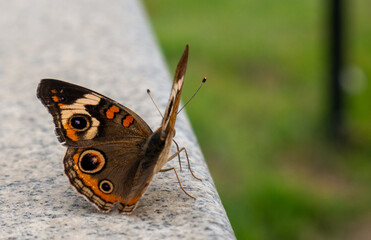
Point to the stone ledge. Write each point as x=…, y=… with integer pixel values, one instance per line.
x=108, y=48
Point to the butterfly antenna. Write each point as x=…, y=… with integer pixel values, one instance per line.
x=202, y=83
x=150, y=95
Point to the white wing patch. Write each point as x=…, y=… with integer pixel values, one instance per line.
x=94, y=100
x=177, y=86
x=78, y=107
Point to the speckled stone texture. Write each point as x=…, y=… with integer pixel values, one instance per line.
x=106, y=46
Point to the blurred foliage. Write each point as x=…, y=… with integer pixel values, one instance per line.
x=261, y=117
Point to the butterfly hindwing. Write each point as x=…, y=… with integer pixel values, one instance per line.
x=104, y=174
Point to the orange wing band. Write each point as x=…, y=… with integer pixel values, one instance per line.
x=92, y=183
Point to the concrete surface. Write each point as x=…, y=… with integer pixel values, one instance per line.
x=106, y=46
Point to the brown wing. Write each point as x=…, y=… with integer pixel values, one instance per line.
x=168, y=122
x=85, y=118
x=171, y=112
x=105, y=141
x=104, y=174
x=157, y=148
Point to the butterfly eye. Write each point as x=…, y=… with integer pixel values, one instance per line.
x=91, y=161
x=80, y=122
x=106, y=186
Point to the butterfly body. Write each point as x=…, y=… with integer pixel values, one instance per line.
x=112, y=154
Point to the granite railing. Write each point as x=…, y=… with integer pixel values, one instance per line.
x=106, y=46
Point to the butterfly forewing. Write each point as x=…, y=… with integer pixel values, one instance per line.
x=83, y=117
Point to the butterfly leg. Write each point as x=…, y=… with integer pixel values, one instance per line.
x=189, y=164
x=180, y=184
x=177, y=148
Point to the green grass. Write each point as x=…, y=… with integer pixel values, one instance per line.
x=261, y=117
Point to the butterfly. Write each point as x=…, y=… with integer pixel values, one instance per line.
x=112, y=154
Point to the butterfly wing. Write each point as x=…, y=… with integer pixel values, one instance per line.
x=105, y=141
x=83, y=117
x=159, y=143
x=171, y=112
x=104, y=174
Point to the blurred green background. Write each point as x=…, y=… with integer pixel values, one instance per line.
x=261, y=117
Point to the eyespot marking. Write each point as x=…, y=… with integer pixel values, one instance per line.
x=106, y=186
x=91, y=161
x=79, y=122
